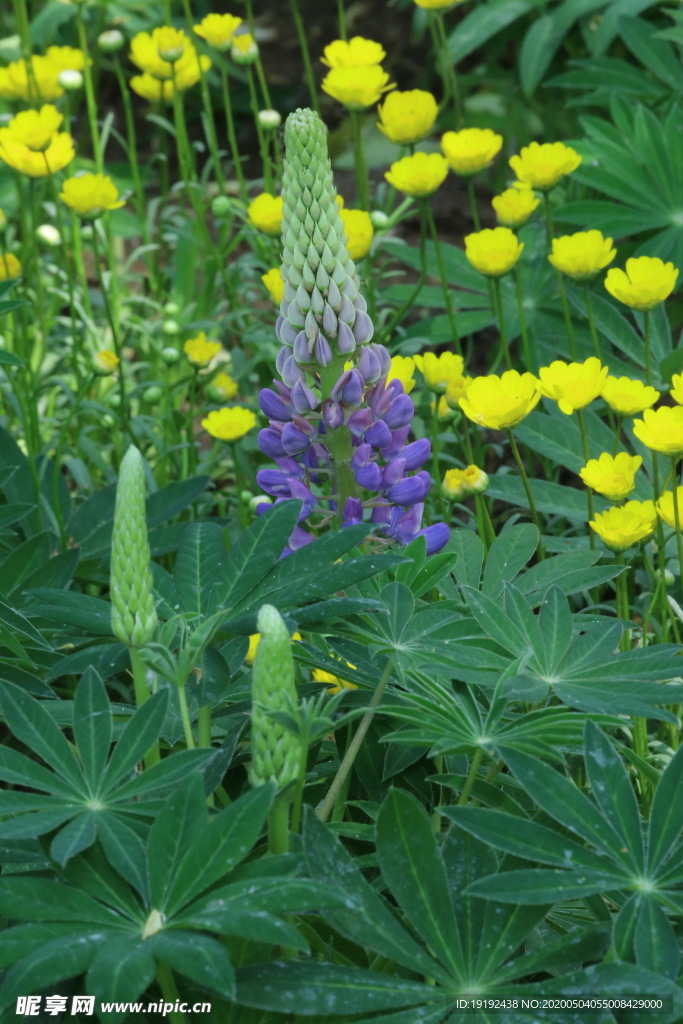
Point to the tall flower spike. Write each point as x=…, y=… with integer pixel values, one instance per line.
x=133, y=615
x=322, y=313
x=276, y=752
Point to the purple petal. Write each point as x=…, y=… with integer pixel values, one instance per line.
x=333, y=415
x=393, y=473
x=398, y=439
x=378, y=435
x=360, y=421
x=342, y=381
x=270, y=443
x=273, y=407
x=323, y=352
x=362, y=328
x=353, y=389
x=346, y=343
x=416, y=454
x=301, y=351
x=436, y=535
x=353, y=512
x=369, y=477
x=361, y=456
x=400, y=413
x=410, y=491
x=368, y=366
x=273, y=482
x=303, y=398
x=294, y=441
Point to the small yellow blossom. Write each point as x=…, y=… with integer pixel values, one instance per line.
x=66, y=58
x=244, y=48
x=514, y=206
x=218, y=30
x=403, y=369
x=542, y=165
x=666, y=509
x=90, y=195
x=161, y=77
x=419, y=174
x=358, y=231
x=573, y=385
x=457, y=389
x=406, y=117
x=105, y=362
x=471, y=149
x=444, y=412
x=501, y=403
x=493, y=251
x=199, y=351
x=170, y=43
x=439, y=371
x=155, y=90
x=223, y=387
x=676, y=391
x=272, y=279
x=436, y=5
x=461, y=483
x=354, y=53
x=357, y=87
x=35, y=129
x=338, y=684
x=614, y=476
x=628, y=397
x=265, y=213
x=661, y=429
x=229, y=423
x=646, y=282
x=582, y=255
x=58, y=154
x=10, y=266
x=622, y=527
x=254, y=641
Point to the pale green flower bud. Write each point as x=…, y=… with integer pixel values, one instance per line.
x=70, y=79
x=276, y=752
x=111, y=41
x=133, y=615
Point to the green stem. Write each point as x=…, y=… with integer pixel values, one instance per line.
x=90, y=102
x=61, y=440
x=185, y=715
x=648, y=353
x=123, y=407
x=677, y=518
x=450, y=80
x=232, y=137
x=362, y=180
x=529, y=363
x=591, y=320
x=623, y=611
x=471, y=777
x=354, y=746
x=473, y=204
x=435, y=457
x=444, y=277
x=665, y=610
x=204, y=726
x=278, y=824
x=586, y=456
x=242, y=512
x=530, y=498
x=297, y=802
x=341, y=17
x=498, y=302
x=388, y=328
x=305, y=54
x=550, y=227
x=567, y=316
x=169, y=991
x=262, y=141
x=142, y=694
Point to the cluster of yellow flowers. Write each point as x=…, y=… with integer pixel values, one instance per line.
x=38, y=81
x=356, y=77
x=169, y=62
x=32, y=143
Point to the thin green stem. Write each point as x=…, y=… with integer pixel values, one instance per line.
x=567, y=316
x=586, y=456
x=498, y=301
x=185, y=715
x=530, y=498
x=169, y=991
x=677, y=518
x=550, y=227
x=471, y=776
x=341, y=17
x=91, y=105
x=354, y=746
x=242, y=511
x=123, y=407
x=623, y=611
x=232, y=137
x=305, y=54
x=529, y=363
x=142, y=694
x=388, y=328
x=450, y=79
x=665, y=611
x=473, y=204
x=362, y=179
x=204, y=726
x=435, y=457
x=262, y=140
x=61, y=441
x=278, y=824
x=444, y=277
x=591, y=320
x=648, y=353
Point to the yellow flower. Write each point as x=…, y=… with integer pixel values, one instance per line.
x=229, y=423
x=170, y=43
x=573, y=385
x=160, y=77
x=265, y=213
x=543, y=165
x=321, y=676
x=244, y=49
x=153, y=89
x=35, y=128
x=146, y=49
x=471, y=149
x=436, y=5
x=460, y=483
x=661, y=429
x=359, y=232
x=223, y=387
x=254, y=641
x=621, y=528
x=90, y=195
x=272, y=279
x=15, y=154
x=105, y=362
x=457, y=389
x=354, y=53
x=403, y=369
x=612, y=475
x=583, y=254
x=646, y=283
x=218, y=30
x=199, y=351
x=406, y=117
x=501, y=402
x=357, y=87
x=676, y=391
x=493, y=251
x=666, y=510
x=514, y=206
x=444, y=412
x=10, y=267
x=15, y=83
x=439, y=371
x=628, y=397
x=65, y=58
x=418, y=175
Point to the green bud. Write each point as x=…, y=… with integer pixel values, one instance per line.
x=114, y=400
x=170, y=356
x=171, y=309
x=152, y=395
x=170, y=327
x=111, y=41
x=259, y=499
x=221, y=206
x=276, y=752
x=133, y=615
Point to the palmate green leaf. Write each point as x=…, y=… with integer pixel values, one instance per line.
x=570, y=572
x=555, y=623
x=78, y=835
x=368, y=921
x=320, y=989
x=412, y=867
x=199, y=571
x=655, y=942
x=199, y=957
x=665, y=818
x=551, y=499
x=23, y=560
x=41, y=899
x=138, y=735
x=92, y=725
x=542, y=886
x=121, y=970
x=71, y=608
x=19, y=770
x=52, y=962
x=482, y=23
x=511, y=550
x=183, y=817
x=30, y=723
x=92, y=873
x=125, y=851
x=543, y=39
x=470, y=551
x=613, y=793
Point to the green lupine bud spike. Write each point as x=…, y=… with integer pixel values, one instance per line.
x=313, y=240
x=133, y=615
x=275, y=751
